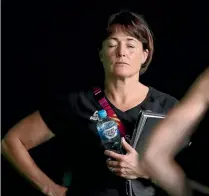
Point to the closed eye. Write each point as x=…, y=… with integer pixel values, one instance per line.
x=131, y=46
x=111, y=46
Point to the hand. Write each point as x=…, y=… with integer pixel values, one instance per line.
x=127, y=166
x=56, y=190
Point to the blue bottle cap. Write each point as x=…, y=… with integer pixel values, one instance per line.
x=102, y=114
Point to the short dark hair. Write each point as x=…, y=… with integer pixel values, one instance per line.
x=134, y=25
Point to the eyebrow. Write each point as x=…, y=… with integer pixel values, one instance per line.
x=128, y=39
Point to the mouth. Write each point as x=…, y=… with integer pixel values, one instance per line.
x=121, y=63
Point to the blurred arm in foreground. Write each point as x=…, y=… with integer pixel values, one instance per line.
x=169, y=135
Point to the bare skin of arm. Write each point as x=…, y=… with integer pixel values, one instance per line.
x=170, y=134
x=29, y=133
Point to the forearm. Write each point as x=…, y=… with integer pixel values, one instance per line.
x=169, y=176
x=170, y=135
x=18, y=156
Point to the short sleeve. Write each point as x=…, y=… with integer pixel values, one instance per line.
x=161, y=102
x=168, y=102
x=57, y=113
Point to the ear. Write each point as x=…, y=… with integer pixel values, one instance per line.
x=100, y=55
x=145, y=55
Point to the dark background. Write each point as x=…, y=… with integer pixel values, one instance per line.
x=50, y=47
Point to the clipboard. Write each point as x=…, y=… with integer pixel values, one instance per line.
x=143, y=129
x=144, y=126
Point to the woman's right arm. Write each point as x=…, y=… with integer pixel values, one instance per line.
x=28, y=133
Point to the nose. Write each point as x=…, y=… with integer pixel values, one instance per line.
x=121, y=51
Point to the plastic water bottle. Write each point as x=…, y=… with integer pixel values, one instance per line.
x=109, y=132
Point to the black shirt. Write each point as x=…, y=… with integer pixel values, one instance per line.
x=71, y=118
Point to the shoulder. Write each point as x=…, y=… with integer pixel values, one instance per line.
x=66, y=100
x=164, y=98
x=162, y=102
x=82, y=102
x=61, y=110
x=81, y=96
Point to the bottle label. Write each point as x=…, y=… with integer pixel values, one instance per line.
x=111, y=132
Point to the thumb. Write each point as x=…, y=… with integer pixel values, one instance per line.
x=126, y=145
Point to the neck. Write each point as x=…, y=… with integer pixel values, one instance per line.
x=122, y=89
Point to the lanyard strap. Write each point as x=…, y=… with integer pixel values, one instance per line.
x=99, y=94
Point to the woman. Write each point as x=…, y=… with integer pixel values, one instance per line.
x=126, y=50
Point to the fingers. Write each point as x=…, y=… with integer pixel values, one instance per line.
x=48, y=191
x=57, y=190
x=115, y=164
x=117, y=156
x=118, y=171
x=113, y=155
x=145, y=177
x=126, y=145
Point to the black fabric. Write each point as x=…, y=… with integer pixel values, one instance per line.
x=69, y=118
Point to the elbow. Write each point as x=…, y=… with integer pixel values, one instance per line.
x=8, y=143
x=150, y=154
x=4, y=147
x=153, y=159
x=149, y=158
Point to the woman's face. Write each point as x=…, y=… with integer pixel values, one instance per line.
x=122, y=55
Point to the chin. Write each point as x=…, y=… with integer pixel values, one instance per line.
x=122, y=74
